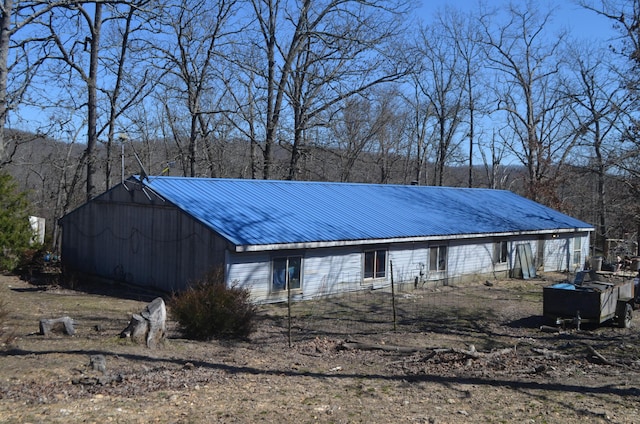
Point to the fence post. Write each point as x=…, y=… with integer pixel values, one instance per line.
x=289, y=312
x=393, y=295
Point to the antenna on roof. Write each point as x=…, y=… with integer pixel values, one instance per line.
x=143, y=176
x=123, y=137
x=143, y=172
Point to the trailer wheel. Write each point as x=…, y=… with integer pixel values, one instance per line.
x=624, y=319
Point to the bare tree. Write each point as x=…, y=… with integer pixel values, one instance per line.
x=341, y=57
x=76, y=31
x=128, y=81
x=354, y=130
x=464, y=31
x=442, y=84
x=295, y=36
x=625, y=17
x=418, y=146
x=495, y=171
x=80, y=54
x=528, y=64
x=198, y=32
x=600, y=108
x=15, y=16
x=245, y=116
x=392, y=137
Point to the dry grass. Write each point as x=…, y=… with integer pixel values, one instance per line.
x=315, y=380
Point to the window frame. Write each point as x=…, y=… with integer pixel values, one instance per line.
x=577, y=251
x=440, y=251
x=375, y=273
x=287, y=276
x=501, y=252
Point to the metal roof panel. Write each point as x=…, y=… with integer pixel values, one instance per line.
x=261, y=212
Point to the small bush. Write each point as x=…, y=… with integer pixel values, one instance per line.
x=208, y=309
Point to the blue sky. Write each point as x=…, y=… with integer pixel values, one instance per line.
x=580, y=22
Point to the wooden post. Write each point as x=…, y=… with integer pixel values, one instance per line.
x=289, y=309
x=393, y=295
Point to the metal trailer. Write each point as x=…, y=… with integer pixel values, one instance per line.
x=589, y=300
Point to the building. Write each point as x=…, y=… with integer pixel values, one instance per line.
x=38, y=229
x=308, y=239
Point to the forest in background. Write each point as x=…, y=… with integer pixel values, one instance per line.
x=52, y=191
x=333, y=90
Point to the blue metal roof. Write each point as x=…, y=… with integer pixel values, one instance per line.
x=265, y=212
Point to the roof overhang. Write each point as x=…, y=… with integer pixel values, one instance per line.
x=447, y=237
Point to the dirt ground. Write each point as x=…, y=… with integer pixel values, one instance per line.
x=482, y=358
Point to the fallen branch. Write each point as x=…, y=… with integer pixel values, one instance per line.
x=601, y=358
x=549, y=354
x=386, y=348
x=474, y=354
x=471, y=353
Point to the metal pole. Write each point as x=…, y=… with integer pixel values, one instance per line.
x=122, y=161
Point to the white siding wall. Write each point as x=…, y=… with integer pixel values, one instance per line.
x=251, y=271
x=463, y=259
x=557, y=254
x=326, y=271
x=408, y=261
x=467, y=258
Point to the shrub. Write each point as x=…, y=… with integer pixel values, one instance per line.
x=15, y=230
x=209, y=309
x=30, y=262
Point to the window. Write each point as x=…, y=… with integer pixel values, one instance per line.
x=375, y=264
x=501, y=252
x=577, y=251
x=287, y=273
x=438, y=258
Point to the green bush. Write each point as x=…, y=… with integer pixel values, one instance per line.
x=209, y=309
x=15, y=230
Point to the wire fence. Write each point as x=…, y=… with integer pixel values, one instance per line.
x=406, y=309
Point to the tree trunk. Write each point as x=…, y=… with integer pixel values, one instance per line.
x=64, y=325
x=92, y=136
x=149, y=325
x=5, y=35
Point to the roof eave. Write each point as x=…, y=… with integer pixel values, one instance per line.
x=342, y=243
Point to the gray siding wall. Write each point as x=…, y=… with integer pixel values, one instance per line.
x=124, y=236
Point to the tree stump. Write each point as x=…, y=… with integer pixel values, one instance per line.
x=149, y=325
x=98, y=363
x=63, y=325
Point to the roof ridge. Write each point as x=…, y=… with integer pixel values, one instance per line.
x=342, y=183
